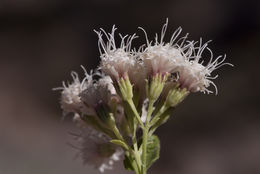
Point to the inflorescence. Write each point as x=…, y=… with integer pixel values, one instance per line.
x=135, y=89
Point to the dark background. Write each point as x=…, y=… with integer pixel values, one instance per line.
x=41, y=41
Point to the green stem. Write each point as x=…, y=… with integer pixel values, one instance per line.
x=157, y=116
x=145, y=134
x=138, y=161
x=163, y=118
x=117, y=133
x=149, y=112
x=132, y=105
x=136, y=151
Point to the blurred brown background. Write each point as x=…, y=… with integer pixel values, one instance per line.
x=41, y=41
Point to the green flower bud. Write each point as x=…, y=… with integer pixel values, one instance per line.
x=155, y=86
x=176, y=96
x=125, y=88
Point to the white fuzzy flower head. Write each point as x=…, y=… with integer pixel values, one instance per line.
x=193, y=75
x=96, y=150
x=162, y=57
x=70, y=99
x=98, y=92
x=70, y=96
x=115, y=62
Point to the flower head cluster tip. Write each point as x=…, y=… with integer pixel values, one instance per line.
x=135, y=89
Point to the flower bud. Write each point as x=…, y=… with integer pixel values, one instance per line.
x=176, y=96
x=155, y=86
x=125, y=88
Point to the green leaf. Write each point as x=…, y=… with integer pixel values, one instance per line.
x=129, y=163
x=120, y=143
x=153, y=150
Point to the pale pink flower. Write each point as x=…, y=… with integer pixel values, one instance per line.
x=193, y=75
x=183, y=58
x=161, y=57
x=70, y=100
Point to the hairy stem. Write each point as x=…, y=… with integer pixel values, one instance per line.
x=145, y=135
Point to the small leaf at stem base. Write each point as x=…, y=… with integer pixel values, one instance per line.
x=153, y=150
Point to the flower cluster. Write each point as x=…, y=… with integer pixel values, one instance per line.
x=90, y=100
x=135, y=89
